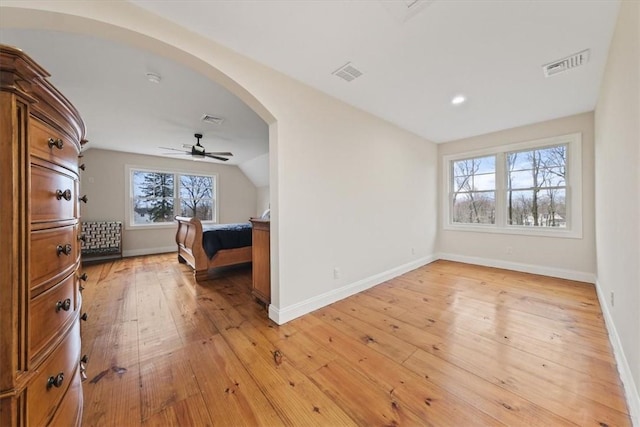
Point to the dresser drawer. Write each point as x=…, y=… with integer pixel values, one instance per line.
x=54, y=195
x=45, y=143
x=52, y=379
x=69, y=412
x=52, y=254
x=49, y=312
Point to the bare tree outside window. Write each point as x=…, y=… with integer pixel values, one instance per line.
x=158, y=196
x=196, y=197
x=536, y=190
x=473, y=197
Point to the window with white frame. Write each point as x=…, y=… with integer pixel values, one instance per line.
x=525, y=188
x=156, y=197
x=536, y=187
x=474, y=190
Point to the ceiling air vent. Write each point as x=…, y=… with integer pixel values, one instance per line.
x=212, y=119
x=565, y=64
x=347, y=72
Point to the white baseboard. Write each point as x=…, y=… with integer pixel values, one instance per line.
x=630, y=387
x=149, y=251
x=525, y=268
x=283, y=315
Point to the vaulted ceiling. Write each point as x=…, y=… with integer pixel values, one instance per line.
x=414, y=56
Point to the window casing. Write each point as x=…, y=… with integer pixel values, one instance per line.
x=155, y=197
x=536, y=188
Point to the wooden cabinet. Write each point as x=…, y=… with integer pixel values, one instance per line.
x=41, y=136
x=261, y=260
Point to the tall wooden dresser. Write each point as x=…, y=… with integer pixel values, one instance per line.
x=261, y=260
x=41, y=135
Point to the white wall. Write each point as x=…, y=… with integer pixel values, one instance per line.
x=347, y=190
x=562, y=257
x=263, y=199
x=617, y=127
x=103, y=181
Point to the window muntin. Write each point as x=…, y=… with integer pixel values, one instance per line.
x=473, y=200
x=537, y=187
x=157, y=196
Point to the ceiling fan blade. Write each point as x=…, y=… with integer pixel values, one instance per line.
x=215, y=157
x=189, y=146
x=174, y=149
x=220, y=153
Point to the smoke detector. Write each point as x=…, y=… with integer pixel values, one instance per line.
x=347, y=72
x=566, y=64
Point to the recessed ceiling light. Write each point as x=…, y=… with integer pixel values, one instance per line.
x=458, y=99
x=154, y=78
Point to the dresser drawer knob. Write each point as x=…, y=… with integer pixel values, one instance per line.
x=56, y=143
x=66, y=194
x=82, y=167
x=66, y=249
x=63, y=305
x=84, y=316
x=83, y=199
x=83, y=277
x=83, y=367
x=55, y=381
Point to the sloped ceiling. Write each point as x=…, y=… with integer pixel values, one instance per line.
x=413, y=60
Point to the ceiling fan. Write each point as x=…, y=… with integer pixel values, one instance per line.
x=198, y=150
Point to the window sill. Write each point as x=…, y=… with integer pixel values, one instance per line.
x=151, y=226
x=519, y=231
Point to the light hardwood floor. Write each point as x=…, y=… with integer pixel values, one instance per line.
x=448, y=344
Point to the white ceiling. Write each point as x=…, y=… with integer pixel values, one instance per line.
x=491, y=51
x=123, y=111
x=413, y=63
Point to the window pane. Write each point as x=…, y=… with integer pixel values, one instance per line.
x=149, y=211
x=152, y=184
x=195, y=186
x=484, y=182
x=553, y=156
x=474, y=208
x=474, y=166
x=520, y=179
x=554, y=177
x=519, y=161
x=462, y=183
x=542, y=208
x=552, y=208
x=152, y=197
x=196, y=197
x=203, y=209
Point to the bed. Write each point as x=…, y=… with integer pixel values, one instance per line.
x=204, y=248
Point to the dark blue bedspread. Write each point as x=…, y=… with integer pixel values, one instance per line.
x=225, y=236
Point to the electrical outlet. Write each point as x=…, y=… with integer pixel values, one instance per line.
x=413, y=251
x=336, y=273
x=509, y=250
x=612, y=299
